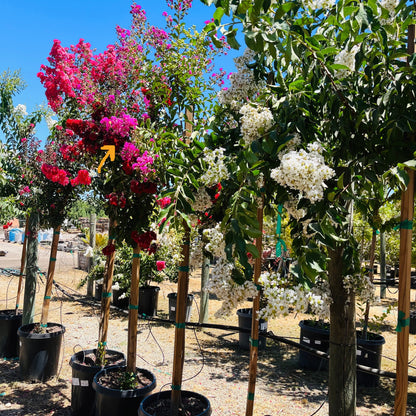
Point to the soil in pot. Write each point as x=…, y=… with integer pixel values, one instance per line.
x=9, y=341
x=193, y=404
x=111, y=400
x=84, y=368
x=39, y=350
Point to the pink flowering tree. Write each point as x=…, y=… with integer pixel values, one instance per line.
x=137, y=96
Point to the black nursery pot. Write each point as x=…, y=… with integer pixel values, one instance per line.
x=245, y=317
x=39, y=353
x=148, y=405
x=172, y=306
x=82, y=393
x=314, y=336
x=369, y=354
x=112, y=402
x=148, y=300
x=9, y=341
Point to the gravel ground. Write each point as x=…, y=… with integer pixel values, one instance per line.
x=215, y=366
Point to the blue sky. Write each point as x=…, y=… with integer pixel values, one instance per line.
x=28, y=29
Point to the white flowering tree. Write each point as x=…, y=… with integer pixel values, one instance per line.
x=332, y=103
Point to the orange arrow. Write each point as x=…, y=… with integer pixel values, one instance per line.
x=111, y=152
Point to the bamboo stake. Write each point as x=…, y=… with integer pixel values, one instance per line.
x=106, y=296
x=179, y=348
x=133, y=311
x=22, y=265
x=406, y=219
x=405, y=258
x=49, y=279
x=254, y=339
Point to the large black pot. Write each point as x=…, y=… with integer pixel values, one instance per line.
x=148, y=300
x=369, y=354
x=245, y=317
x=82, y=393
x=112, y=402
x=172, y=306
x=39, y=353
x=9, y=341
x=315, y=336
x=149, y=401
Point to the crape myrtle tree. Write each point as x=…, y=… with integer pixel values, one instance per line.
x=333, y=113
x=137, y=96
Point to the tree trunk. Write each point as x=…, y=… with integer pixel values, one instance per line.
x=382, y=265
x=342, y=349
x=93, y=232
x=31, y=269
x=203, y=308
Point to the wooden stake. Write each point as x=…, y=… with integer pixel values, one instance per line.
x=93, y=229
x=49, y=279
x=254, y=340
x=405, y=258
x=133, y=311
x=106, y=294
x=22, y=265
x=179, y=348
x=402, y=329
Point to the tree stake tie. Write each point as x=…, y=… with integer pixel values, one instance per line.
x=183, y=268
x=52, y=259
x=406, y=225
x=401, y=321
x=137, y=255
x=176, y=387
x=106, y=295
x=47, y=297
x=254, y=342
x=136, y=307
x=180, y=325
x=250, y=396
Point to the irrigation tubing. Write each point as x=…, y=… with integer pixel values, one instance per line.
x=266, y=334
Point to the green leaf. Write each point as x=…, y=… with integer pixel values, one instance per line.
x=251, y=248
x=218, y=14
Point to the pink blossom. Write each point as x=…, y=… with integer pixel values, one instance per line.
x=160, y=265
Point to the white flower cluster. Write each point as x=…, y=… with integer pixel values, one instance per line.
x=256, y=121
x=304, y=171
x=50, y=122
x=281, y=299
x=320, y=300
x=215, y=237
x=347, y=58
x=390, y=6
x=319, y=4
x=243, y=85
x=195, y=255
x=172, y=242
x=202, y=200
x=216, y=169
x=361, y=285
x=20, y=110
x=224, y=287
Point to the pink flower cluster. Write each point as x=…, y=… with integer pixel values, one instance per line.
x=164, y=202
x=119, y=125
x=143, y=164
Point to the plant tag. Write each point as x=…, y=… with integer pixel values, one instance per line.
x=262, y=327
x=307, y=340
x=172, y=308
x=84, y=383
x=358, y=352
x=318, y=341
x=75, y=381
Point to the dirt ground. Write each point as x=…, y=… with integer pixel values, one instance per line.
x=215, y=366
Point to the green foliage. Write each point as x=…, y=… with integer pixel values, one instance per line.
x=127, y=380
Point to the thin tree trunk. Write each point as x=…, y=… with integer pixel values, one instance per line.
x=203, y=308
x=133, y=311
x=254, y=342
x=179, y=344
x=93, y=229
x=22, y=265
x=382, y=265
x=371, y=276
x=31, y=269
x=106, y=297
x=49, y=279
x=342, y=339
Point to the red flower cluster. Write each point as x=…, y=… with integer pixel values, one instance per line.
x=164, y=202
x=116, y=200
x=109, y=249
x=6, y=226
x=144, y=240
x=83, y=178
x=143, y=187
x=70, y=152
x=54, y=174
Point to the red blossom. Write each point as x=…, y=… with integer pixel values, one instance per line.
x=144, y=240
x=109, y=249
